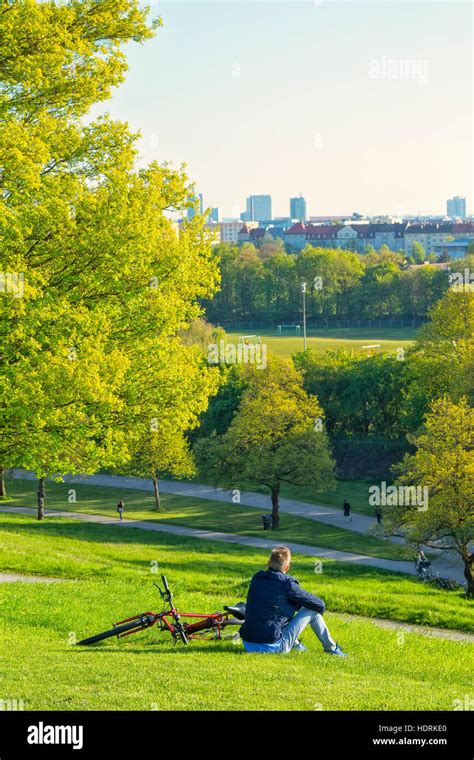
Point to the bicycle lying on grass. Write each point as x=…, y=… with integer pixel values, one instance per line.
x=206, y=626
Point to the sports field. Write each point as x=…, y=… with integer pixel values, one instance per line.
x=329, y=339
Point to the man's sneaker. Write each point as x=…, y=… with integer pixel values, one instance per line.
x=299, y=646
x=337, y=650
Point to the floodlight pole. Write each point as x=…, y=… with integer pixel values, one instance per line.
x=303, y=290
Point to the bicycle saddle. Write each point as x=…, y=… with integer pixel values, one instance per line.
x=238, y=610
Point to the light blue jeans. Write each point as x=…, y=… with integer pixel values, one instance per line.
x=291, y=631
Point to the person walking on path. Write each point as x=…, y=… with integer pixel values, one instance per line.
x=120, y=508
x=347, y=511
x=378, y=515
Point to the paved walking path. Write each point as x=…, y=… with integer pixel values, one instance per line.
x=422, y=630
x=331, y=515
x=17, y=577
x=231, y=538
x=448, y=566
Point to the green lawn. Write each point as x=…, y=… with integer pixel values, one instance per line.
x=329, y=339
x=205, y=515
x=356, y=492
x=108, y=572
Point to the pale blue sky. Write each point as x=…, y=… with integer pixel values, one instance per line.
x=361, y=106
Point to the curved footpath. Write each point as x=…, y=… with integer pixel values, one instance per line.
x=449, y=567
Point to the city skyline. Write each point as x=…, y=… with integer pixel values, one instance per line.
x=455, y=207
x=356, y=106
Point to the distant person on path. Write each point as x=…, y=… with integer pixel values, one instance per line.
x=469, y=575
x=422, y=562
x=347, y=511
x=120, y=508
x=271, y=625
x=378, y=515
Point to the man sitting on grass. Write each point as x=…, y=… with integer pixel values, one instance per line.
x=270, y=622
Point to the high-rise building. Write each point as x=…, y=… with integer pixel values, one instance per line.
x=456, y=207
x=259, y=207
x=214, y=214
x=298, y=209
x=191, y=211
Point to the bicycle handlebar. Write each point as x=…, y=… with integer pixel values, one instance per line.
x=165, y=584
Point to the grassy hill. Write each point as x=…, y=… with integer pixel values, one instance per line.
x=204, y=515
x=106, y=574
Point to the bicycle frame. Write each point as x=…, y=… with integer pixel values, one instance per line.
x=170, y=620
x=215, y=621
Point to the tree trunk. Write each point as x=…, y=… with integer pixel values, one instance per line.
x=41, y=497
x=157, y=493
x=3, y=490
x=275, y=507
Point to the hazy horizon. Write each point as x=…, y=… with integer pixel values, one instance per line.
x=358, y=106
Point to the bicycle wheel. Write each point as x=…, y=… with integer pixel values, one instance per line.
x=114, y=632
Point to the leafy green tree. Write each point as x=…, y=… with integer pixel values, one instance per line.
x=331, y=275
x=419, y=288
x=444, y=464
x=157, y=415
x=163, y=451
x=441, y=361
x=281, y=285
x=275, y=437
x=224, y=404
x=201, y=333
x=106, y=282
x=377, y=294
x=361, y=395
x=418, y=252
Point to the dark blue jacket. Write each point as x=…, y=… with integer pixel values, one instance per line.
x=272, y=600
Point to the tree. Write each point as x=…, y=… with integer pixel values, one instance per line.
x=360, y=395
x=163, y=450
x=201, y=333
x=417, y=252
x=157, y=417
x=377, y=294
x=331, y=275
x=281, y=283
x=441, y=361
x=107, y=283
x=419, y=288
x=444, y=464
x=224, y=404
x=275, y=437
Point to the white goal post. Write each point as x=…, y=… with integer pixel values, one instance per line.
x=250, y=340
x=294, y=328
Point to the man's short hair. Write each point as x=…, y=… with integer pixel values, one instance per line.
x=279, y=558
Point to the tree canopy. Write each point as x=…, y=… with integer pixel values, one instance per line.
x=276, y=436
x=90, y=346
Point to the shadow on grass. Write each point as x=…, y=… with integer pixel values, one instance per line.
x=154, y=649
x=110, y=534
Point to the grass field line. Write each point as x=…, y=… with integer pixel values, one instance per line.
x=399, y=566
